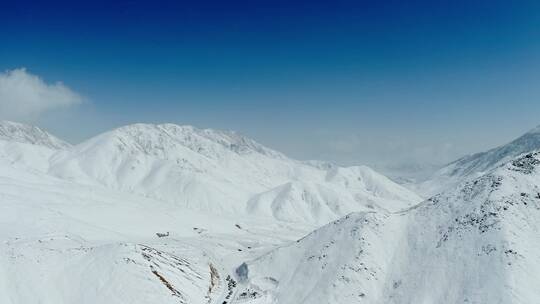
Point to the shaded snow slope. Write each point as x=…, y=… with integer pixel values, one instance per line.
x=477, y=243
x=472, y=166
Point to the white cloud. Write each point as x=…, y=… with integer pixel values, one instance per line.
x=26, y=96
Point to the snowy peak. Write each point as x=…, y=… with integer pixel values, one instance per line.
x=472, y=166
x=482, y=162
x=17, y=132
x=157, y=140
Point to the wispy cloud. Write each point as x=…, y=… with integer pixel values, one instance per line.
x=24, y=96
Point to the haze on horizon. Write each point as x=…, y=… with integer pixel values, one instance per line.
x=347, y=81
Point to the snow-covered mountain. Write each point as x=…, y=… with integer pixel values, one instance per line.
x=223, y=173
x=27, y=146
x=341, y=193
x=17, y=132
x=63, y=242
x=167, y=213
x=473, y=166
x=477, y=243
x=157, y=213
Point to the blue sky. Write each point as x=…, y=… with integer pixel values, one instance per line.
x=376, y=82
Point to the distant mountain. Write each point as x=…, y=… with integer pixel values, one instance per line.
x=472, y=166
x=408, y=173
x=477, y=243
x=17, y=132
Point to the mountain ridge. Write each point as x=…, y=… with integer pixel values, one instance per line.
x=475, y=243
x=13, y=131
x=475, y=165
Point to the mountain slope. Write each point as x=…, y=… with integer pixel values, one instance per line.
x=343, y=191
x=472, y=166
x=477, y=243
x=28, y=147
x=215, y=171
x=17, y=132
x=63, y=242
x=303, y=202
x=112, y=273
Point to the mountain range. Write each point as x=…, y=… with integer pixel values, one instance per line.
x=209, y=170
x=175, y=214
